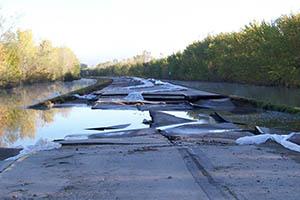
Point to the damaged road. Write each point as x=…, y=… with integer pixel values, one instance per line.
x=188, y=151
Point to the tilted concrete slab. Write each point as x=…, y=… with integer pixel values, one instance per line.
x=164, y=119
x=98, y=139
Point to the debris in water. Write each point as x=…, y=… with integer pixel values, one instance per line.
x=261, y=130
x=178, y=125
x=134, y=96
x=151, y=83
x=113, y=106
x=219, y=119
x=122, y=104
x=165, y=107
x=109, y=127
x=145, y=83
x=86, y=97
x=164, y=119
x=200, y=129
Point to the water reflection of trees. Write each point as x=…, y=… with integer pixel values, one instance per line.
x=16, y=122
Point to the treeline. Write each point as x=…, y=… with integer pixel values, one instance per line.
x=24, y=61
x=265, y=53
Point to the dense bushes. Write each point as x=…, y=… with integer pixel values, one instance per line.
x=22, y=61
x=266, y=53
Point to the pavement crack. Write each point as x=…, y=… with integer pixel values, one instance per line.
x=63, y=157
x=210, y=187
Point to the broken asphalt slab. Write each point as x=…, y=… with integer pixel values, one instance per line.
x=165, y=119
x=144, y=164
x=152, y=90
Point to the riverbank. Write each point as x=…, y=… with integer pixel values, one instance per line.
x=9, y=86
x=21, y=126
x=187, y=151
x=69, y=97
x=269, y=98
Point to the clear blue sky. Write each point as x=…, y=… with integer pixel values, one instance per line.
x=101, y=30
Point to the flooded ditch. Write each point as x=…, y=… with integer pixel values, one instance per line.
x=20, y=124
x=73, y=123
x=275, y=95
x=129, y=107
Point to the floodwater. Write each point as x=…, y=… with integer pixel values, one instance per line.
x=21, y=126
x=58, y=123
x=282, y=123
x=18, y=123
x=23, y=96
x=275, y=95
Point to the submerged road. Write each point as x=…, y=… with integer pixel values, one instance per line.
x=188, y=162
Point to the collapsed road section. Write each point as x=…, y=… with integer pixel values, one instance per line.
x=187, y=150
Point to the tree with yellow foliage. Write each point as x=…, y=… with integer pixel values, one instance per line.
x=24, y=61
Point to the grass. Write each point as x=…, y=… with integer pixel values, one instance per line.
x=267, y=105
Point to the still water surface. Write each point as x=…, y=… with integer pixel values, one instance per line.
x=275, y=95
x=60, y=122
x=18, y=123
x=20, y=126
